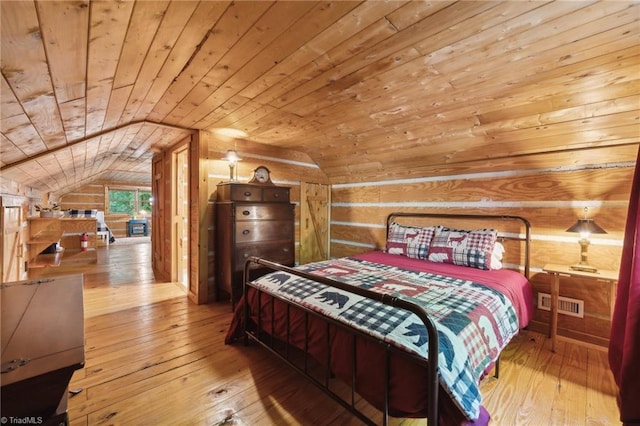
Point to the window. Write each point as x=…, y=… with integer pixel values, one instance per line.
x=129, y=201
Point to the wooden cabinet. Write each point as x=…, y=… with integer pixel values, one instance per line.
x=42, y=345
x=251, y=220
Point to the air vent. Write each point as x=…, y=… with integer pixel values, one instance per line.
x=566, y=305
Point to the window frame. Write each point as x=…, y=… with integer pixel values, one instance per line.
x=137, y=190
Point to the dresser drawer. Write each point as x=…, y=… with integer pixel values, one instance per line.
x=280, y=252
x=245, y=193
x=275, y=194
x=263, y=211
x=267, y=230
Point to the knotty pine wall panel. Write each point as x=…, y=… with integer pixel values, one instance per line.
x=551, y=199
x=93, y=196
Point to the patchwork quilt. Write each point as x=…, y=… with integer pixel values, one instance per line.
x=474, y=321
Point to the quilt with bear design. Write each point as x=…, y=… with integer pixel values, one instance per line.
x=474, y=321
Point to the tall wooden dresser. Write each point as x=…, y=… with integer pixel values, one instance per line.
x=251, y=220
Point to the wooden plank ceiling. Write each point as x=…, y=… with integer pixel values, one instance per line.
x=91, y=88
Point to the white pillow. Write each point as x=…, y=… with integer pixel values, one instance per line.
x=496, y=256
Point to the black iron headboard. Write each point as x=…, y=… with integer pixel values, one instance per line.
x=524, y=222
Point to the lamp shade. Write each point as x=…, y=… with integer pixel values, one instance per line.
x=231, y=156
x=586, y=226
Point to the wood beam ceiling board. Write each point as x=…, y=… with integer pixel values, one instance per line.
x=107, y=31
x=347, y=27
x=173, y=23
x=50, y=166
x=117, y=103
x=414, y=11
x=428, y=26
x=143, y=26
x=92, y=147
x=578, y=112
x=112, y=145
x=494, y=30
x=229, y=28
x=27, y=176
x=437, y=107
x=219, y=38
x=276, y=81
x=102, y=152
x=73, y=118
x=248, y=122
x=66, y=46
x=588, y=125
x=523, y=48
x=9, y=152
x=199, y=26
x=230, y=120
x=146, y=140
x=9, y=104
x=548, y=105
x=227, y=109
x=24, y=66
x=20, y=131
x=262, y=46
x=469, y=107
x=287, y=42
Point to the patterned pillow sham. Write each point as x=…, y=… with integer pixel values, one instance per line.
x=410, y=241
x=464, y=248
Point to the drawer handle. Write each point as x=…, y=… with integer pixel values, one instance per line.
x=245, y=255
x=276, y=195
x=246, y=212
x=286, y=250
x=247, y=193
x=245, y=232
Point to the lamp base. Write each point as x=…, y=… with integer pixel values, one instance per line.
x=583, y=268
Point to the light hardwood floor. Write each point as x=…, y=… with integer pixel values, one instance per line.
x=153, y=358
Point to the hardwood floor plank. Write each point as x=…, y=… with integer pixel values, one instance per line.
x=154, y=358
x=601, y=390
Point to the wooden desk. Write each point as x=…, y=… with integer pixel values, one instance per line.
x=42, y=345
x=610, y=277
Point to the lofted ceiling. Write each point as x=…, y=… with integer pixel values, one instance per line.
x=90, y=89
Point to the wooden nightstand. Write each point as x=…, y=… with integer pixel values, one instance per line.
x=609, y=277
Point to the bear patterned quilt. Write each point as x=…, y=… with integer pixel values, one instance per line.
x=474, y=321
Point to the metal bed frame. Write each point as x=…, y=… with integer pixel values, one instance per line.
x=266, y=340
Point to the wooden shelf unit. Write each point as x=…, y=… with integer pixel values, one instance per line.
x=44, y=232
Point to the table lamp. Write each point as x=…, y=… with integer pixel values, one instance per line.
x=585, y=227
x=233, y=158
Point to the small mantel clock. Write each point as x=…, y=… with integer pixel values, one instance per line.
x=261, y=175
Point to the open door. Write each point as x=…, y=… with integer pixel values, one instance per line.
x=314, y=222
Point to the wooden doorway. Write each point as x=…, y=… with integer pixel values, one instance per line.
x=180, y=239
x=314, y=222
x=10, y=220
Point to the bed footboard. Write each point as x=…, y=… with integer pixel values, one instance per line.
x=263, y=334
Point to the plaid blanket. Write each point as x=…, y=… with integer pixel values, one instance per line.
x=474, y=322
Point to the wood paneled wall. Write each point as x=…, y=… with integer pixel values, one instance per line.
x=93, y=196
x=288, y=168
x=551, y=199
